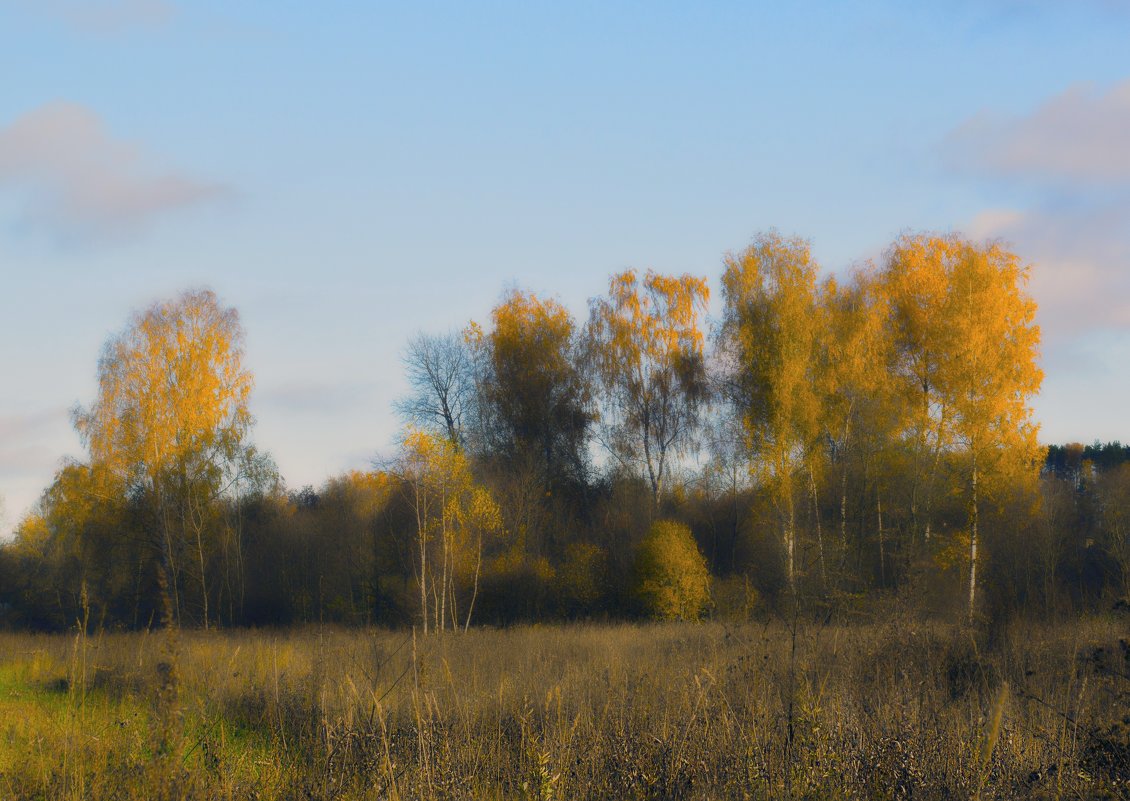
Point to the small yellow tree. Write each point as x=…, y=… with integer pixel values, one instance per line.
x=453, y=518
x=672, y=580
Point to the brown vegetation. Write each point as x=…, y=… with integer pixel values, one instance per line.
x=780, y=709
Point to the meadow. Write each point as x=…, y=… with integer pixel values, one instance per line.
x=892, y=707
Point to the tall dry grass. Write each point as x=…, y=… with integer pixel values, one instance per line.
x=893, y=709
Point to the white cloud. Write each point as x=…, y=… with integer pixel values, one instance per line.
x=316, y=396
x=1081, y=136
x=1080, y=263
x=77, y=181
x=1071, y=156
x=107, y=16
x=30, y=451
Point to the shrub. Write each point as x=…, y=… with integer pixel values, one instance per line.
x=580, y=580
x=672, y=582
x=735, y=599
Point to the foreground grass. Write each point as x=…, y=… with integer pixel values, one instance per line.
x=894, y=710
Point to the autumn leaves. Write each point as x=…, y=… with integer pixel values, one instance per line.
x=170, y=425
x=930, y=357
x=866, y=426
x=914, y=377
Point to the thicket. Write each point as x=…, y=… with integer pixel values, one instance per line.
x=827, y=444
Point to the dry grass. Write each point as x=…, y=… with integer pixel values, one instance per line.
x=896, y=710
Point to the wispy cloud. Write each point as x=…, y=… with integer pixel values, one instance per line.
x=1071, y=156
x=29, y=455
x=80, y=183
x=106, y=16
x=1081, y=262
x=316, y=397
x=1081, y=136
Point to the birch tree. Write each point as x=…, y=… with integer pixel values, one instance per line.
x=171, y=424
x=768, y=337
x=647, y=347
x=991, y=374
x=454, y=518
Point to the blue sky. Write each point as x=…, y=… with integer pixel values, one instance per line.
x=348, y=173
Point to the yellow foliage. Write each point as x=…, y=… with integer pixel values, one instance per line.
x=673, y=582
x=770, y=334
x=172, y=393
x=966, y=347
x=648, y=349
x=454, y=517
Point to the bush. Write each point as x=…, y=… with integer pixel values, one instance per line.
x=735, y=599
x=672, y=582
x=579, y=583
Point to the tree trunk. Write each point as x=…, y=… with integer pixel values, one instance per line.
x=422, y=539
x=790, y=536
x=973, y=543
x=475, y=583
x=819, y=530
x=203, y=578
x=843, y=515
x=882, y=546
x=441, y=621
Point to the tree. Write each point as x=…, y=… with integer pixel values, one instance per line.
x=768, y=339
x=672, y=580
x=534, y=397
x=965, y=348
x=914, y=285
x=648, y=350
x=990, y=373
x=1114, y=489
x=347, y=550
x=852, y=379
x=439, y=374
x=171, y=423
x=453, y=516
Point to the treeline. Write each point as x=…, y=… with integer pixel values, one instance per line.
x=825, y=442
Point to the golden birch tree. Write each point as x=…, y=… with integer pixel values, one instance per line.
x=171, y=423
x=768, y=338
x=914, y=284
x=991, y=373
x=856, y=405
x=453, y=518
x=647, y=347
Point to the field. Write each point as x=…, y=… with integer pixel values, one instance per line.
x=783, y=709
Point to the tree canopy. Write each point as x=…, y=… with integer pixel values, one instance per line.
x=865, y=433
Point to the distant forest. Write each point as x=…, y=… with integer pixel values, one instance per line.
x=824, y=443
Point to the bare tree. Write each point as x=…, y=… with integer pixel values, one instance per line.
x=438, y=368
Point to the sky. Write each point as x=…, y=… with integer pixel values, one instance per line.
x=347, y=174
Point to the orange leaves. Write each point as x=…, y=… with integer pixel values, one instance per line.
x=770, y=335
x=653, y=322
x=172, y=392
x=647, y=346
x=523, y=318
x=966, y=343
